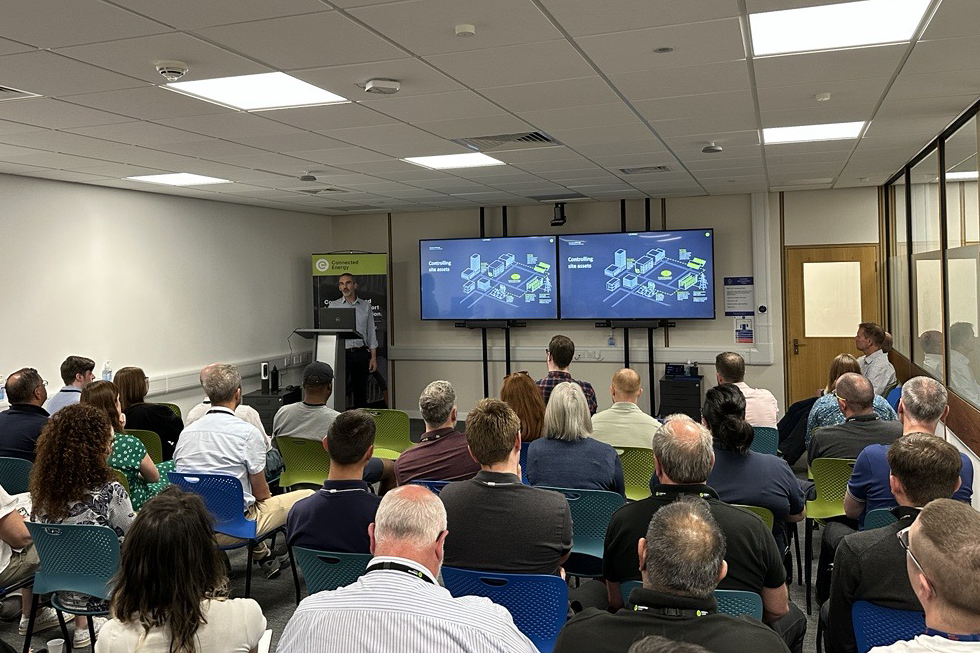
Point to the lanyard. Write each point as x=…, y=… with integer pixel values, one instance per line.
x=673, y=612
x=973, y=637
x=397, y=566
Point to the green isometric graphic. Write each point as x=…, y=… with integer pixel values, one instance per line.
x=508, y=279
x=656, y=275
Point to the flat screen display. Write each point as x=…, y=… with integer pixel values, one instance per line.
x=637, y=276
x=489, y=278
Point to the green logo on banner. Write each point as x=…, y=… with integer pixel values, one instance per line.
x=334, y=265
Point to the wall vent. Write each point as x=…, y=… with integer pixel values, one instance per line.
x=7, y=93
x=504, y=142
x=644, y=170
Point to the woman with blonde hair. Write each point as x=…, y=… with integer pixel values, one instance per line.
x=133, y=385
x=826, y=411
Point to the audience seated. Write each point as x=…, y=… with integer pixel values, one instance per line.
x=244, y=411
x=931, y=344
x=683, y=457
x=862, y=426
x=522, y=394
x=922, y=407
x=441, y=453
x=311, y=417
x=21, y=424
x=761, y=407
x=76, y=372
x=658, y=644
x=875, y=366
x=869, y=565
x=624, y=424
x=128, y=455
x=826, y=411
x=943, y=565
x=561, y=351
x=222, y=443
x=133, y=386
x=962, y=343
x=746, y=477
x=398, y=605
x=183, y=607
x=336, y=517
x=495, y=522
x=567, y=457
x=72, y=483
x=682, y=555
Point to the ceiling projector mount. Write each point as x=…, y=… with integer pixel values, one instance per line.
x=171, y=70
x=306, y=176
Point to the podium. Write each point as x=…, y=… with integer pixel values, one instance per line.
x=330, y=347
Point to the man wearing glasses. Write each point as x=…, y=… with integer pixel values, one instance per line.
x=21, y=424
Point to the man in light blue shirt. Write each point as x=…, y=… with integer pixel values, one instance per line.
x=76, y=372
x=362, y=355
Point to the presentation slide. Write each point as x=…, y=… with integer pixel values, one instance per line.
x=488, y=278
x=643, y=276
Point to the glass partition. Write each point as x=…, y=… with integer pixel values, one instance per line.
x=926, y=273
x=898, y=267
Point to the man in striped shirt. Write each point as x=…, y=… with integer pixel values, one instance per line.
x=397, y=606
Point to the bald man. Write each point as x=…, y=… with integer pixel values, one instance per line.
x=247, y=413
x=624, y=424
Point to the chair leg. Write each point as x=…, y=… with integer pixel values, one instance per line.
x=91, y=630
x=808, y=562
x=799, y=560
x=248, y=569
x=292, y=563
x=64, y=629
x=30, y=624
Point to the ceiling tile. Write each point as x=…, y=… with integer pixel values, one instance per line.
x=267, y=161
x=8, y=127
x=339, y=156
x=954, y=18
x=689, y=80
x=584, y=17
x=614, y=113
x=57, y=23
x=12, y=47
x=956, y=82
x=531, y=63
x=55, y=141
x=415, y=76
x=193, y=14
x=834, y=65
x=696, y=105
x=647, y=145
x=705, y=125
x=397, y=140
x=604, y=134
x=290, y=141
x=948, y=107
x=582, y=92
x=46, y=73
x=482, y=126
x=855, y=93
x=823, y=113
x=333, y=116
x=55, y=114
x=135, y=133
x=944, y=55
x=148, y=103
x=210, y=148
x=439, y=106
x=229, y=125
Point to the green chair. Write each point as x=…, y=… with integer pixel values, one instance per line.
x=638, y=469
x=305, y=461
x=174, y=407
x=325, y=570
x=877, y=518
x=762, y=513
x=15, y=474
x=766, y=440
x=121, y=479
x=150, y=440
x=830, y=476
x=391, y=437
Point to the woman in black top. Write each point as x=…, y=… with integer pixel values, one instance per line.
x=133, y=386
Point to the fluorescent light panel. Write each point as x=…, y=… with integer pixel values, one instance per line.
x=450, y=161
x=257, y=92
x=807, y=133
x=964, y=175
x=828, y=27
x=180, y=179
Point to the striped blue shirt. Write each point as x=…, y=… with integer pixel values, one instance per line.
x=391, y=611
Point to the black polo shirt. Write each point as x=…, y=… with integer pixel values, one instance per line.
x=753, y=560
x=677, y=618
x=849, y=439
x=19, y=427
x=335, y=518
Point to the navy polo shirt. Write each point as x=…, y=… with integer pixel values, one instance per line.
x=335, y=518
x=19, y=427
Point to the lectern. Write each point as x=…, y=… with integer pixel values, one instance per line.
x=329, y=346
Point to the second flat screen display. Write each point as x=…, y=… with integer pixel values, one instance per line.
x=645, y=275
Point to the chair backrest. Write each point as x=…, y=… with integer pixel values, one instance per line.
x=893, y=396
x=174, y=408
x=877, y=518
x=762, y=513
x=738, y=602
x=224, y=498
x=306, y=461
x=875, y=625
x=391, y=429
x=523, y=461
x=766, y=440
x=434, y=486
x=638, y=467
x=75, y=557
x=150, y=440
x=538, y=603
x=121, y=479
x=15, y=474
x=626, y=588
x=325, y=570
x=591, y=511
x=830, y=477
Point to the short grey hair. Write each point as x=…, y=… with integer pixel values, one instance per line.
x=436, y=402
x=220, y=382
x=924, y=399
x=658, y=644
x=410, y=514
x=684, y=449
x=685, y=549
x=566, y=417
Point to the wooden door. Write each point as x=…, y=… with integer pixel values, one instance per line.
x=829, y=291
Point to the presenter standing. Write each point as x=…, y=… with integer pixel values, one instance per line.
x=362, y=355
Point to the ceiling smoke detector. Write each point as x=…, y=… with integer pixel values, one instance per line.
x=382, y=86
x=711, y=148
x=307, y=177
x=171, y=70
x=465, y=30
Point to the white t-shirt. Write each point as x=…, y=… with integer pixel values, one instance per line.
x=928, y=644
x=8, y=504
x=233, y=626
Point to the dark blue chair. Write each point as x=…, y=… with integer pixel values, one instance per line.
x=894, y=395
x=591, y=511
x=739, y=602
x=766, y=440
x=225, y=500
x=325, y=570
x=875, y=625
x=877, y=518
x=434, y=486
x=74, y=558
x=523, y=460
x=538, y=603
x=14, y=474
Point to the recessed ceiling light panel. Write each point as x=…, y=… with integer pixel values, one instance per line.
x=807, y=133
x=257, y=92
x=450, y=161
x=965, y=175
x=180, y=179
x=828, y=27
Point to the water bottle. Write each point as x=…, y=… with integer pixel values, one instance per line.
x=107, y=372
x=274, y=381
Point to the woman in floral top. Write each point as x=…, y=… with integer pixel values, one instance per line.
x=826, y=411
x=71, y=483
x=128, y=454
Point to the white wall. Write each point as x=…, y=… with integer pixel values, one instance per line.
x=844, y=216
x=165, y=283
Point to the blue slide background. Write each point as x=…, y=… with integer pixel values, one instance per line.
x=675, y=282
x=453, y=290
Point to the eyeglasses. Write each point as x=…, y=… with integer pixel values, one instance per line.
x=903, y=538
x=837, y=396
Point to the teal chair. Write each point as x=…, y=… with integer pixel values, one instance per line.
x=875, y=625
x=878, y=518
x=766, y=440
x=325, y=570
x=15, y=474
x=738, y=602
x=591, y=511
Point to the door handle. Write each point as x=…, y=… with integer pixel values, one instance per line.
x=796, y=346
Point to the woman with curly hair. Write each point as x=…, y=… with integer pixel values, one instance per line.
x=133, y=386
x=128, y=453
x=72, y=483
x=186, y=609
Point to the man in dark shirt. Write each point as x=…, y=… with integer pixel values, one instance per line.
x=855, y=396
x=561, y=351
x=336, y=518
x=683, y=556
x=441, y=454
x=21, y=424
x=683, y=457
x=496, y=523
x=869, y=565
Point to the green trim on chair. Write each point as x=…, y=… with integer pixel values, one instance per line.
x=306, y=461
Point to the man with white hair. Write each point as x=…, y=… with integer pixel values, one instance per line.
x=244, y=411
x=398, y=605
